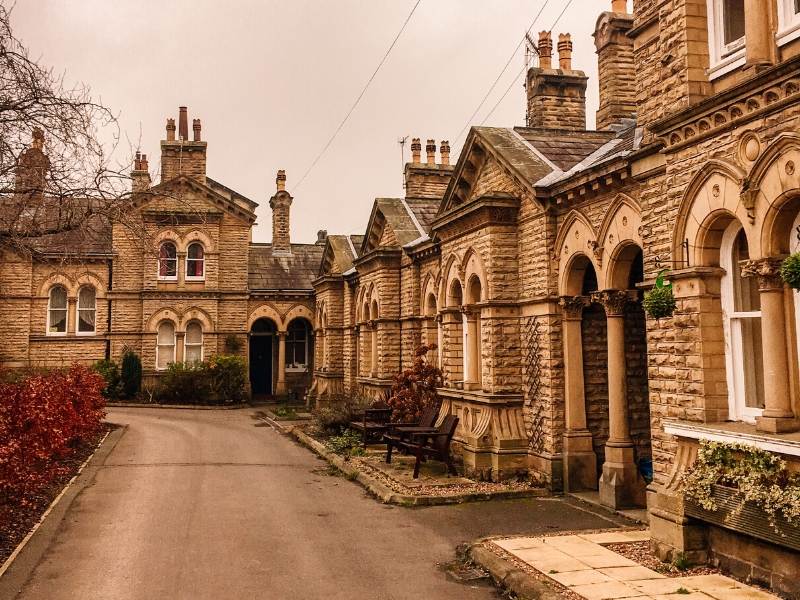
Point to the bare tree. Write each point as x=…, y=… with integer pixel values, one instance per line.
x=59, y=187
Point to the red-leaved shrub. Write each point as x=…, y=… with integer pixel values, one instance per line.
x=43, y=418
x=415, y=389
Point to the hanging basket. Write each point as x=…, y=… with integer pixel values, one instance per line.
x=659, y=303
x=790, y=270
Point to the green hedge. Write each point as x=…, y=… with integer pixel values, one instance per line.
x=220, y=380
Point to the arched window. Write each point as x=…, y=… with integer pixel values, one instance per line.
x=165, y=345
x=195, y=262
x=193, y=342
x=87, y=311
x=167, y=261
x=57, y=311
x=297, y=345
x=741, y=307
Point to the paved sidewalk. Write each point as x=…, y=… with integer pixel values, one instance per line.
x=585, y=567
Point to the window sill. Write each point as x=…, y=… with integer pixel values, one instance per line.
x=727, y=64
x=790, y=33
x=737, y=432
x=194, y=279
x=168, y=279
x=297, y=369
x=85, y=333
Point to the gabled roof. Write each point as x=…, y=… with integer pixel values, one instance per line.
x=563, y=148
x=399, y=217
x=339, y=253
x=291, y=272
x=232, y=195
x=220, y=196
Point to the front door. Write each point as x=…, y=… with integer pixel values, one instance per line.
x=261, y=364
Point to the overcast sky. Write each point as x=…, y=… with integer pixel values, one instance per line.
x=271, y=80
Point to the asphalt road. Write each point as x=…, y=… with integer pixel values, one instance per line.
x=208, y=505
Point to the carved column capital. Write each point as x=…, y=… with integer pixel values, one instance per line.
x=768, y=271
x=438, y=318
x=573, y=305
x=613, y=301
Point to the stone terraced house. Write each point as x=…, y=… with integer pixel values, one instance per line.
x=525, y=261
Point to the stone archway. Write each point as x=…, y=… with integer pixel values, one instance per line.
x=262, y=355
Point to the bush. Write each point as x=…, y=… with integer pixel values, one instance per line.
x=228, y=378
x=415, y=389
x=184, y=383
x=336, y=418
x=348, y=443
x=790, y=270
x=43, y=418
x=131, y=374
x=659, y=302
x=109, y=371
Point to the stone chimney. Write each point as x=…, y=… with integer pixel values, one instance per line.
x=428, y=179
x=32, y=168
x=183, y=156
x=615, y=67
x=280, y=204
x=556, y=97
x=322, y=237
x=140, y=176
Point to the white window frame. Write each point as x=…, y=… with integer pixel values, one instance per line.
x=724, y=57
x=301, y=368
x=731, y=324
x=788, y=22
x=187, y=344
x=158, y=264
x=65, y=309
x=188, y=277
x=79, y=309
x=174, y=345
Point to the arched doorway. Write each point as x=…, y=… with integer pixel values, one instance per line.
x=262, y=352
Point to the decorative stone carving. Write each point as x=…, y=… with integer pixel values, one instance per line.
x=748, y=195
x=573, y=305
x=613, y=301
x=597, y=251
x=768, y=271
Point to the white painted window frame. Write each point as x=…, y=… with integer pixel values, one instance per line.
x=79, y=308
x=302, y=368
x=187, y=344
x=176, y=259
x=49, y=308
x=788, y=22
x=174, y=345
x=724, y=57
x=186, y=275
x=731, y=322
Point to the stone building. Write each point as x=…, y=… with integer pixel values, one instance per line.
x=179, y=280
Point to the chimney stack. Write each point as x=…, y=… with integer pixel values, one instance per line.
x=416, y=151
x=615, y=67
x=564, y=52
x=183, y=123
x=430, y=150
x=444, y=148
x=32, y=168
x=556, y=97
x=322, y=237
x=183, y=156
x=280, y=204
x=545, y=50
x=140, y=176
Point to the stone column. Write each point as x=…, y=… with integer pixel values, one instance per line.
x=180, y=338
x=777, y=416
x=72, y=315
x=620, y=484
x=280, y=387
x=580, y=461
x=373, y=367
x=439, y=342
x=471, y=348
x=760, y=42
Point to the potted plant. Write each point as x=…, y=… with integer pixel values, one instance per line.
x=745, y=489
x=659, y=302
x=790, y=270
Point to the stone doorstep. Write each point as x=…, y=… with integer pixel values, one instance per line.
x=389, y=496
x=582, y=565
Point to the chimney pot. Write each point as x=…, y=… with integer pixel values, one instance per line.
x=196, y=129
x=144, y=165
x=545, y=50
x=445, y=150
x=38, y=138
x=170, y=130
x=416, y=151
x=322, y=236
x=564, y=52
x=137, y=161
x=183, y=123
x=430, y=150
x=280, y=180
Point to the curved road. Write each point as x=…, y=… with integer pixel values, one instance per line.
x=206, y=504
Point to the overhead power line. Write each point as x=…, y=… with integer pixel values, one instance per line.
x=358, y=99
x=508, y=89
x=503, y=70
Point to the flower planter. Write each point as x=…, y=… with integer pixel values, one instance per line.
x=750, y=520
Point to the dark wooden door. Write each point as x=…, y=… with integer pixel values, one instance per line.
x=261, y=364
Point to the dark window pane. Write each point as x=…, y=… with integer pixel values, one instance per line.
x=733, y=20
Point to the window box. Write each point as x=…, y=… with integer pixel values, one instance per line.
x=747, y=519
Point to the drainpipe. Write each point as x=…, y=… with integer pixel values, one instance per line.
x=110, y=263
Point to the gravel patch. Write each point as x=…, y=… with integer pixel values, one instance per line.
x=640, y=552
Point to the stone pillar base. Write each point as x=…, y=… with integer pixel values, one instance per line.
x=493, y=465
x=671, y=533
x=620, y=485
x=580, y=462
x=777, y=424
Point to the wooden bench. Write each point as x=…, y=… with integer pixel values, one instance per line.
x=432, y=444
x=400, y=432
x=373, y=423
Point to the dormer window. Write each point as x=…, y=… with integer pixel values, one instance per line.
x=168, y=261
x=195, y=262
x=726, y=35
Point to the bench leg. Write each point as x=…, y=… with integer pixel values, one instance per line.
x=388, y=451
x=418, y=454
x=451, y=469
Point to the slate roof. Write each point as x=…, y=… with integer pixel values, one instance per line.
x=345, y=250
x=565, y=149
x=398, y=215
x=294, y=272
x=516, y=151
x=424, y=210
